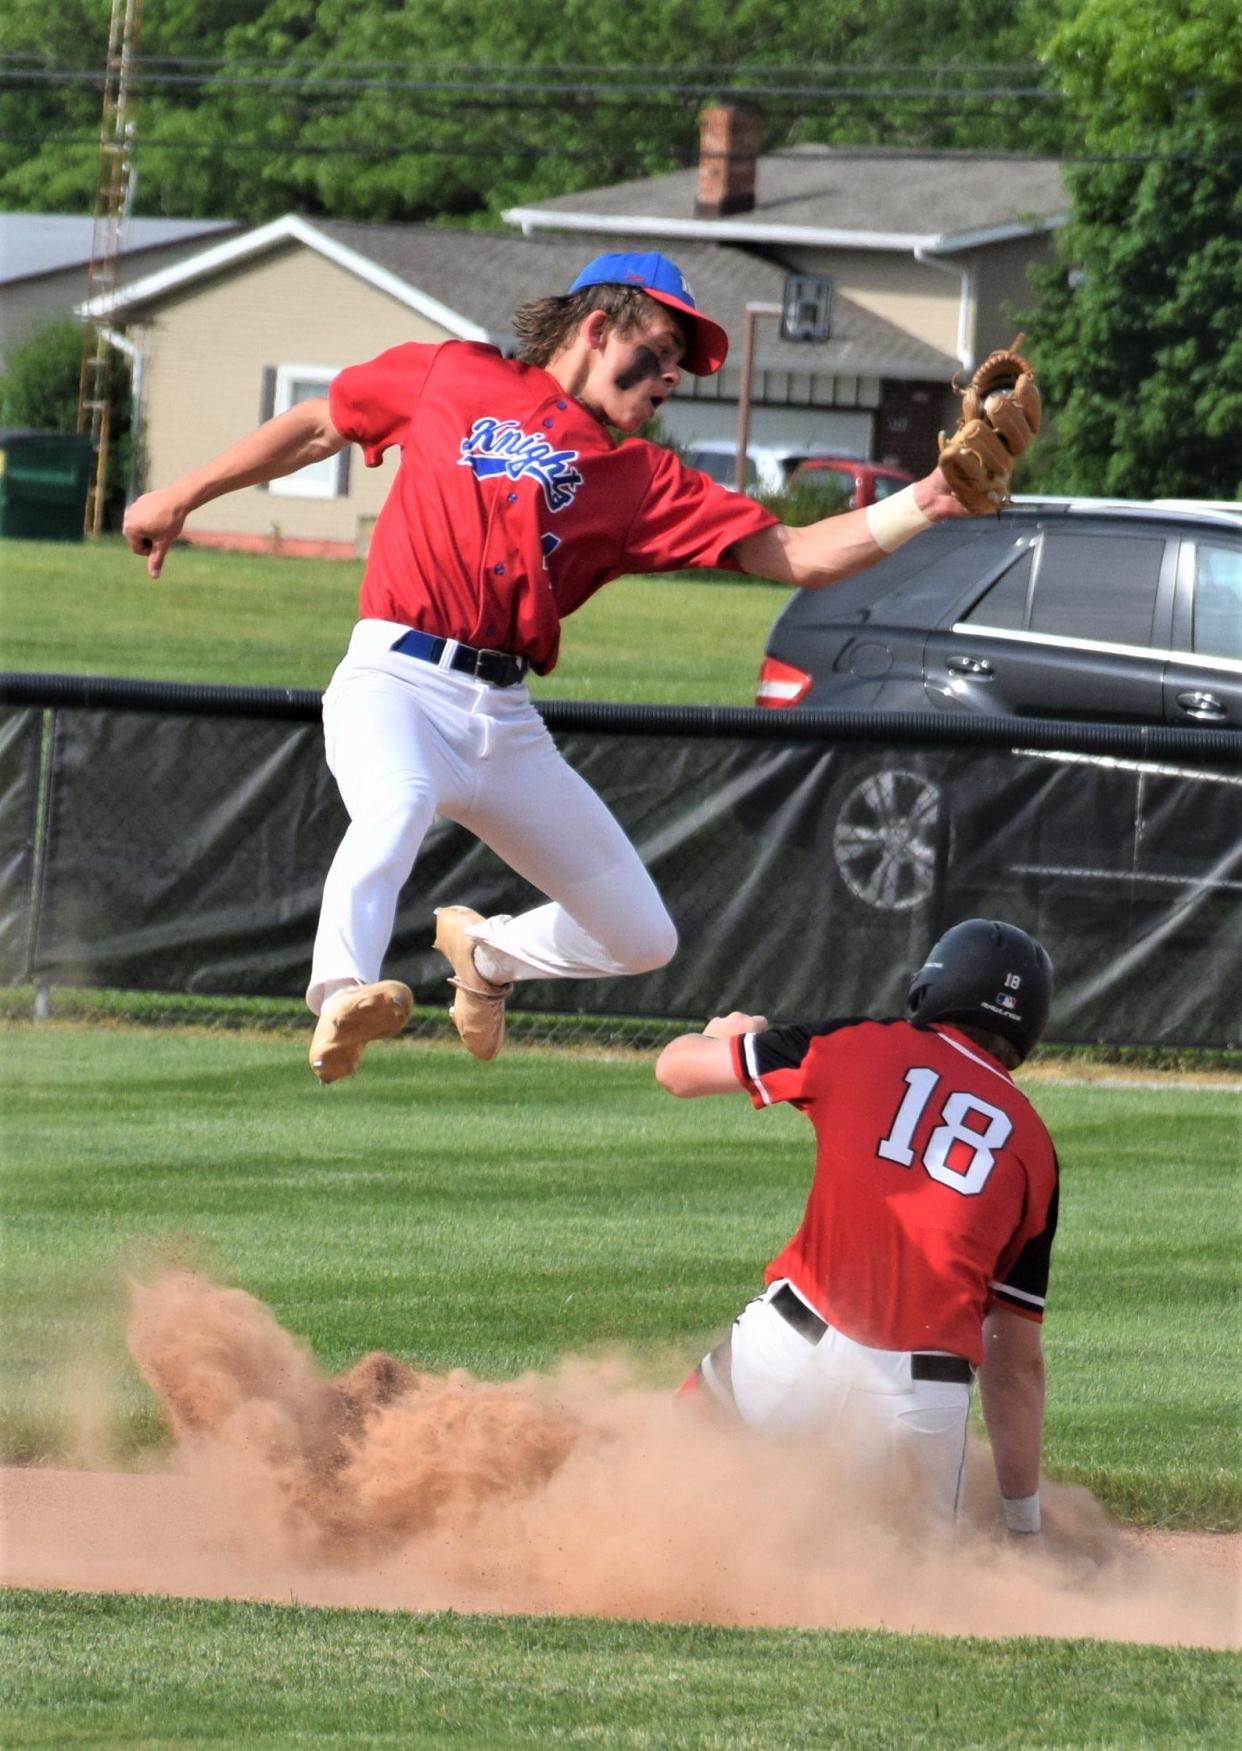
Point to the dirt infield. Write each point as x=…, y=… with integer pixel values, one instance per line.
x=193, y=1535
x=577, y=1493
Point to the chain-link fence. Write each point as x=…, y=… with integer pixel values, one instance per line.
x=163, y=849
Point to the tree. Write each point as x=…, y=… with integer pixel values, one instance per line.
x=39, y=390
x=1138, y=328
x=456, y=109
x=38, y=172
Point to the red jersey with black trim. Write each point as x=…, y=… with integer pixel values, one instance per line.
x=935, y=1189
x=513, y=504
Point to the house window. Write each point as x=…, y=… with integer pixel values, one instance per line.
x=318, y=480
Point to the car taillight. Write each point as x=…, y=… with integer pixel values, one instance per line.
x=780, y=684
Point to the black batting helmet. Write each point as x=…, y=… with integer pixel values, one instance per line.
x=992, y=975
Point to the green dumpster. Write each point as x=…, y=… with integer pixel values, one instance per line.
x=44, y=481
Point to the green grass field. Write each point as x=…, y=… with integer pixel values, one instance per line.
x=125, y=1672
x=500, y=1217
x=246, y=620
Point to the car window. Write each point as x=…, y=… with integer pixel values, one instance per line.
x=720, y=467
x=882, y=486
x=1097, y=586
x=1004, y=606
x=1218, y=602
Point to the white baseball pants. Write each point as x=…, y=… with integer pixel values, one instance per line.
x=880, y=1420
x=406, y=741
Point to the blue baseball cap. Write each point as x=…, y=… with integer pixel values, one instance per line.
x=707, y=344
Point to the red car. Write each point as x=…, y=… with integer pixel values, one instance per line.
x=864, y=482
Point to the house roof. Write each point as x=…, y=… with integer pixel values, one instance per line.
x=48, y=243
x=840, y=195
x=470, y=282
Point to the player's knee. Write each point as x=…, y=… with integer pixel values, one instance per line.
x=652, y=947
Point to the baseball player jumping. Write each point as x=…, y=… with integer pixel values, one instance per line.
x=924, y=1249
x=514, y=502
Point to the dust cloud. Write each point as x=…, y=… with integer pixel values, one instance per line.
x=578, y=1491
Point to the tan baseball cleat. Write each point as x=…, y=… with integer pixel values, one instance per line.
x=478, y=1010
x=351, y=1019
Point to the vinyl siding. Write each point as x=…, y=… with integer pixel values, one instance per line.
x=922, y=300
x=1003, y=289
x=26, y=303
x=204, y=354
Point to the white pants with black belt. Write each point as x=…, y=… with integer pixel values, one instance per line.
x=407, y=741
x=880, y=1419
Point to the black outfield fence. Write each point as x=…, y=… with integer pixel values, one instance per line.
x=158, y=839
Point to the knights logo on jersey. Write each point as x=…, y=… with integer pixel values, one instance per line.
x=497, y=446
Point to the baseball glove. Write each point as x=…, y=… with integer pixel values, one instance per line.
x=1001, y=413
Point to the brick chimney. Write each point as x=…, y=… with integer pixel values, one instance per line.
x=728, y=148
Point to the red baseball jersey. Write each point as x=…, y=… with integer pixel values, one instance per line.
x=935, y=1189
x=513, y=504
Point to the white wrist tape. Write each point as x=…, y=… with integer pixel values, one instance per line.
x=892, y=521
x=1022, y=1512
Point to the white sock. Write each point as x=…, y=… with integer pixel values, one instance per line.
x=334, y=989
x=495, y=967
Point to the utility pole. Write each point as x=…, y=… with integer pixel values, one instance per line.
x=753, y=313
x=805, y=312
x=113, y=195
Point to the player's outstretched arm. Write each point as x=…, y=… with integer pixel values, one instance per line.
x=837, y=547
x=1011, y=1386
x=280, y=446
x=703, y=1063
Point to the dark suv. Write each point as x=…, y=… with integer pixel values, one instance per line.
x=1057, y=608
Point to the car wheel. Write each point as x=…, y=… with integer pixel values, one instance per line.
x=888, y=840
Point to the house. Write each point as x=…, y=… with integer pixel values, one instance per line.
x=920, y=258
x=45, y=261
